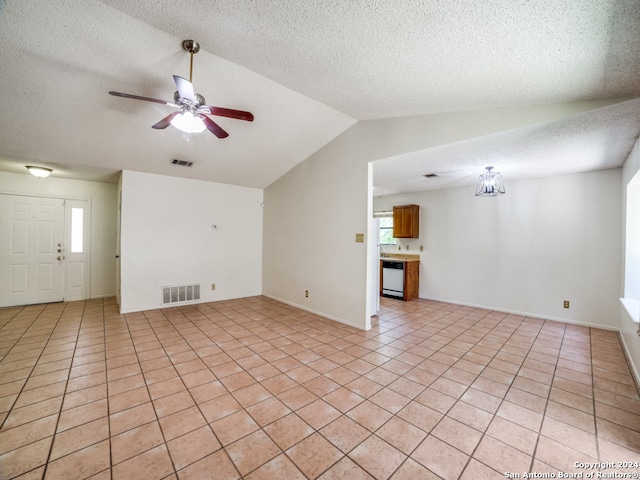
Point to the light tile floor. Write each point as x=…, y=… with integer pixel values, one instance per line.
x=252, y=388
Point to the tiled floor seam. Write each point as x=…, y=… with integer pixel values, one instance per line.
x=80, y=330
x=593, y=396
x=459, y=398
x=35, y=363
x=162, y=432
x=484, y=433
x=46, y=464
x=397, y=328
x=544, y=416
x=281, y=450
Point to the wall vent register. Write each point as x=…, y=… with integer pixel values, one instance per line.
x=180, y=293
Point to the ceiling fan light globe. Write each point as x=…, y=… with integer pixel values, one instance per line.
x=188, y=123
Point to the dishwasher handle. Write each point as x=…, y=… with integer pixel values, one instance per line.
x=395, y=265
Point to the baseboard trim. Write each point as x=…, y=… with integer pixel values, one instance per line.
x=315, y=312
x=526, y=314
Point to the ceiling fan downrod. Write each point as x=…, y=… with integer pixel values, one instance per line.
x=192, y=47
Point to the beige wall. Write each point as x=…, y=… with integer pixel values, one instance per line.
x=168, y=238
x=545, y=241
x=629, y=326
x=314, y=211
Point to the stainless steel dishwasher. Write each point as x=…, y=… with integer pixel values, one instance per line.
x=392, y=279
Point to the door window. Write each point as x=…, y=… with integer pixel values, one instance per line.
x=77, y=230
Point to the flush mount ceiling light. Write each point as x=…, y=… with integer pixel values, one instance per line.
x=40, y=172
x=490, y=184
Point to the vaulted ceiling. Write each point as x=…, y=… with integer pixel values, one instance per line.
x=309, y=70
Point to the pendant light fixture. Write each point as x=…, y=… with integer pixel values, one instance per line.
x=490, y=184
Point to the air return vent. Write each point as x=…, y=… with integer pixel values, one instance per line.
x=180, y=293
x=182, y=163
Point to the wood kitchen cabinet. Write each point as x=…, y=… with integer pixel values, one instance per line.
x=411, y=280
x=406, y=221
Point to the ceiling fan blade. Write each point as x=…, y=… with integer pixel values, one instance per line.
x=165, y=122
x=213, y=127
x=228, y=112
x=138, y=97
x=185, y=88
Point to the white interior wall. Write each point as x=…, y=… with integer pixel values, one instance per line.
x=314, y=211
x=629, y=326
x=545, y=241
x=309, y=239
x=168, y=238
x=631, y=191
x=103, y=219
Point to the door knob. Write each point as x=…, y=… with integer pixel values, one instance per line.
x=60, y=257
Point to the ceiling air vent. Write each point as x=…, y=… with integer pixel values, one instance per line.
x=182, y=163
x=431, y=175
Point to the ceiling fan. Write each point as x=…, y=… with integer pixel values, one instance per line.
x=192, y=116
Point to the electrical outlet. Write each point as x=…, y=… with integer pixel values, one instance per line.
x=213, y=286
x=566, y=304
x=306, y=293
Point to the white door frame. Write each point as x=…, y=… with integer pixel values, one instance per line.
x=69, y=202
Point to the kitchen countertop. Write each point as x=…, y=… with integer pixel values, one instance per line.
x=398, y=257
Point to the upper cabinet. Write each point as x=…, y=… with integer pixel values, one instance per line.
x=406, y=221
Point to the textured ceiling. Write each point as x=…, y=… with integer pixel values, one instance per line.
x=378, y=59
x=308, y=70
x=596, y=140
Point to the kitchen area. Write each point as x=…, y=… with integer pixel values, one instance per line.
x=399, y=272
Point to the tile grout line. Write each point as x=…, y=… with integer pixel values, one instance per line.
x=546, y=405
x=157, y=417
x=593, y=393
x=64, y=394
x=28, y=377
x=441, y=376
x=484, y=433
x=402, y=335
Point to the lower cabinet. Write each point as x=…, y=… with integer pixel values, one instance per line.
x=411, y=279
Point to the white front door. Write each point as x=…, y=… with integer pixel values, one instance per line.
x=31, y=250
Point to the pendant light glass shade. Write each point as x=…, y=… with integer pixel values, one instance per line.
x=490, y=184
x=188, y=123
